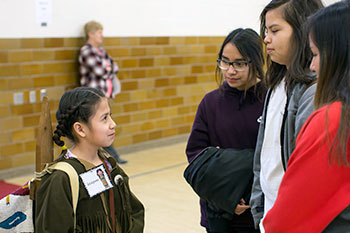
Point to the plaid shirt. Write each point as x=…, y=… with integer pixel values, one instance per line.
x=93, y=68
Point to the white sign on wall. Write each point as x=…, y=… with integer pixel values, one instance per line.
x=43, y=12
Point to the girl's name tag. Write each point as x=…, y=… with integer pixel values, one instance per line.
x=96, y=180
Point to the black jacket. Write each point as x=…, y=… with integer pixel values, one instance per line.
x=221, y=177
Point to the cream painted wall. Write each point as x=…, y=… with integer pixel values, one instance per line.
x=132, y=18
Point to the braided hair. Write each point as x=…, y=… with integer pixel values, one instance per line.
x=75, y=105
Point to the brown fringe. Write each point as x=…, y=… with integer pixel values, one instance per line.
x=92, y=224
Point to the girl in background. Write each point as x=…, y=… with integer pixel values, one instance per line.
x=227, y=117
x=98, y=70
x=314, y=195
x=289, y=101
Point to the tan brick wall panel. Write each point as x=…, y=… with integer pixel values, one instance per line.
x=5, y=137
x=4, y=57
x=6, y=44
x=32, y=43
x=12, y=149
x=20, y=56
x=43, y=55
x=163, y=80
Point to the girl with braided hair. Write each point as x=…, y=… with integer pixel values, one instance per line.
x=84, y=117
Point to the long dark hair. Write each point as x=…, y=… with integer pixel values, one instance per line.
x=295, y=13
x=329, y=30
x=75, y=105
x=250, y=45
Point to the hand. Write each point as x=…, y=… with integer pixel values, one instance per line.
x=108, y=68
x=241, y=207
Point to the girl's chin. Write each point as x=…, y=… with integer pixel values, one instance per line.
x=236, y=85
x=232, y=83
x=278, y=61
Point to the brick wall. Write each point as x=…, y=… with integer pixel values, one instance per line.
x=163, y=79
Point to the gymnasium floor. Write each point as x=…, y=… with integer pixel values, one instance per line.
x=156, y=177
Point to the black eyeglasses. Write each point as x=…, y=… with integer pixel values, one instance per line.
x=237, y=65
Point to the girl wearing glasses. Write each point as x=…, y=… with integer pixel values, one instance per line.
x=228, y=118
x=289, y=101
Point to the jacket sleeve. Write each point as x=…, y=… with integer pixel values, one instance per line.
x=199, y=137
x=114, y=66
x=138, y=214
x=53, y=204
x=306, y=107
x=257, y=196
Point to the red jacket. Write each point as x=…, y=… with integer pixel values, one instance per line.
x=313, y=190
